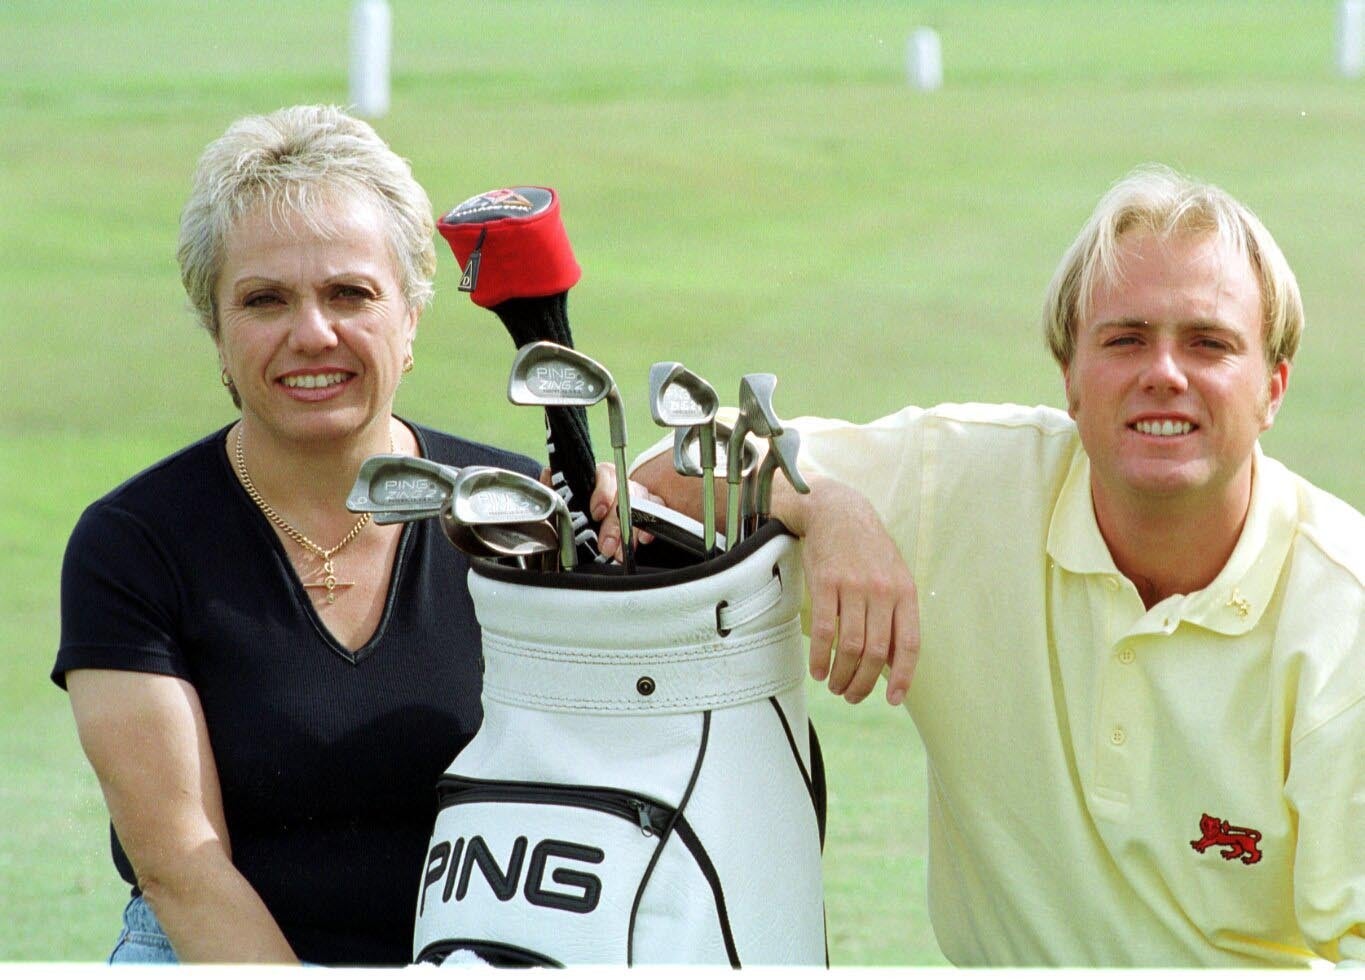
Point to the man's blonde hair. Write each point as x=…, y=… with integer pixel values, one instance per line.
x=1158, y=200
x=294, y=161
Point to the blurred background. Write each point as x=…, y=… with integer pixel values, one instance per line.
x=748, y=187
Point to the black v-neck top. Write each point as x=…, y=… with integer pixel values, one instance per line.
x=328, y=759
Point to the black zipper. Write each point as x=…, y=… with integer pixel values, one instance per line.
x=651, y=815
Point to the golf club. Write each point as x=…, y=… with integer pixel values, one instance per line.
x=678, y=398
x=782, y=451
x=545, y=373
x=755, y=415
x=520, y=542
x=488, y=496
x=394, y=488
x=687, y=451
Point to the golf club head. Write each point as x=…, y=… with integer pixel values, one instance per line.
x=782, y=452
x=487, y=497
x=548, y=374
x=490, y=495
x=462, y=536
x=394, y=488
x=756, y=404
x=687, y=451
x=510, y=541
x=531, y=538
x=785, y=447
x=678, y=397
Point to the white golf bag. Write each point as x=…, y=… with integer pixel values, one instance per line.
x=646, y=787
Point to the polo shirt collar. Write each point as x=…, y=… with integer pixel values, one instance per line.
x=1235, y=600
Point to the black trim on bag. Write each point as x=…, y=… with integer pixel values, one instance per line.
x=610, y=577
x=817, y=801
x=494, y=954
x=818, y=788
x=689, y=837
x=699, y=855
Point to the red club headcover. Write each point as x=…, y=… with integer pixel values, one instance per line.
x=510, y=244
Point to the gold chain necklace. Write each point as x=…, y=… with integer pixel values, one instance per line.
x=329, y=578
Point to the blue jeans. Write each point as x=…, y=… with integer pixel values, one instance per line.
x=142, y=940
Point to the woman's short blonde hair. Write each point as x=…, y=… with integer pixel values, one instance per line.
x=294, y=160
x=1158, y=200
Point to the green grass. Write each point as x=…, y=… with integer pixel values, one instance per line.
x=748, y=187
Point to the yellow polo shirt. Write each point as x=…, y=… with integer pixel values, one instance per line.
x=1081, y=746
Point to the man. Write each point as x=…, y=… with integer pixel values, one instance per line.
x=1141, y=682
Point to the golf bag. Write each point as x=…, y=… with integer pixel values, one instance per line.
x=646, y=787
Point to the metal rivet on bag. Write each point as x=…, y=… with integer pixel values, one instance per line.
x=645, y=686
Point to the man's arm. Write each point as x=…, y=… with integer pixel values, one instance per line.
x=861, y=590
x=1326, y=787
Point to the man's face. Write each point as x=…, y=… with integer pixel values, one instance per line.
x=1168, y=384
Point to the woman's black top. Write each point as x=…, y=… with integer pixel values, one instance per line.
x=328, y=759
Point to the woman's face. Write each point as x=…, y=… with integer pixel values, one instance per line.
x=312, y=327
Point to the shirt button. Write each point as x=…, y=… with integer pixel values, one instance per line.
x=1117, y=736
x=1127, y=656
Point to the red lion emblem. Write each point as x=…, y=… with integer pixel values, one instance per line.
x=1239, y=842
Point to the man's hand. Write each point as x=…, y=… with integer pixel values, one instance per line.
x=861, y=590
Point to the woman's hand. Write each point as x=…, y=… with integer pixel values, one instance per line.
x=602, y=507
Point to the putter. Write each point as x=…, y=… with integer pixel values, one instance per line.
x=678, y=398
x=487, y=496
x=545, y=373
x=395, y=488
x=782, y=451
x=755, y=415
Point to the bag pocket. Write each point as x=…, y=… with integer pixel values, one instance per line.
x=524, y=873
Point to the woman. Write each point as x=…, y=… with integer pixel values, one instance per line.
x=266, y=685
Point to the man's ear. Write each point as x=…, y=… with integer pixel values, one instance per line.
x=1066, y=386
x=1278, y=385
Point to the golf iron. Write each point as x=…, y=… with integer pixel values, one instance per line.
x=545, y=373
x=394, y=488
x=680, y=399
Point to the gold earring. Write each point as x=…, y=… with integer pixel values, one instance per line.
x=225, y=378
x=407, y=363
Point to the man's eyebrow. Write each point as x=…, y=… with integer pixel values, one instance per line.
x=1186, y=326
x=1124, y=323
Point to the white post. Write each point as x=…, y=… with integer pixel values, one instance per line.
x=924, y=60
x=1351, y=38
x=371, y=29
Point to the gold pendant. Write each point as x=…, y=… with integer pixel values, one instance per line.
x=329, y=582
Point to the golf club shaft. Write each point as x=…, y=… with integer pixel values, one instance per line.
x=708, y=487
x=623, y=508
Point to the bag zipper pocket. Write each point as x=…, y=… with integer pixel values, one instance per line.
x=652, y=816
